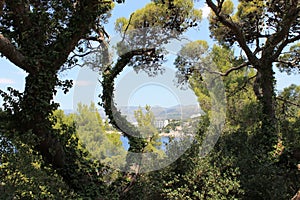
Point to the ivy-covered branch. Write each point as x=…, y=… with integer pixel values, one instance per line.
x=115, y=117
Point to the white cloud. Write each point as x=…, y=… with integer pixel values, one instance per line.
x=205, y=11
x=83, y=83
x=6, y=81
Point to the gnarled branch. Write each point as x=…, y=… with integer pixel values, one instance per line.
x=12, y=54
x=231, y=69
x=288, y=102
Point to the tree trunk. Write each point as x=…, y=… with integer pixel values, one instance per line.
x=267, y=99
x=60, y=151
x=35, y=111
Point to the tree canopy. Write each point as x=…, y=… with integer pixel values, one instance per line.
x=264, y=31
x=46, y=154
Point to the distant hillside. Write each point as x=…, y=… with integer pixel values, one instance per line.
x=174, y=112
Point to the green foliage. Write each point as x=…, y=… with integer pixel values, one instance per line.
x=262, y=30
x=220, y=32
x=178, y=14
x=289, y=62
x=103, y=145
x=27, y=174
x=252, y=17
x=195, y=177
x=152, y=27
x=44, y=152
x=49, y=23
x=243, y=165
x=205, y=181
x=148, y=130
x=289, y=115
x=24, y=174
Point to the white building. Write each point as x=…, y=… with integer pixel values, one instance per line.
x=161, y=123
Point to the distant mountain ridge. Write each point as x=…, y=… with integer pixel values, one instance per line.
x=160, y=113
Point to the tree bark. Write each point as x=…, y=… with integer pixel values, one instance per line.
x=42, y=58
x=267, y=99
x=35, y=111
x=136, y=143
x=67, y=159
x=12, y=54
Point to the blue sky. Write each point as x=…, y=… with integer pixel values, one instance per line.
x=150, y=91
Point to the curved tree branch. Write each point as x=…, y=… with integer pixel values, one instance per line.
x=12, y=54
x=109, y=76
x=137, y=144
x=232, y=69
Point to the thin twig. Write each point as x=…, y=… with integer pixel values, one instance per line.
x=127, y=26
x=231, y=69
x=287, y=101
x=242, y=86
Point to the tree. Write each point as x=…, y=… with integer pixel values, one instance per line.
x=148, y=130
x=102, y=142
x=217, y=175
x=145, y=185
x=43, y=37
x=38, y=37
x=144, y=35
x=239, y=143
x=263, y=30
x=24, y=174
x=288, y=112
x=146, y=125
